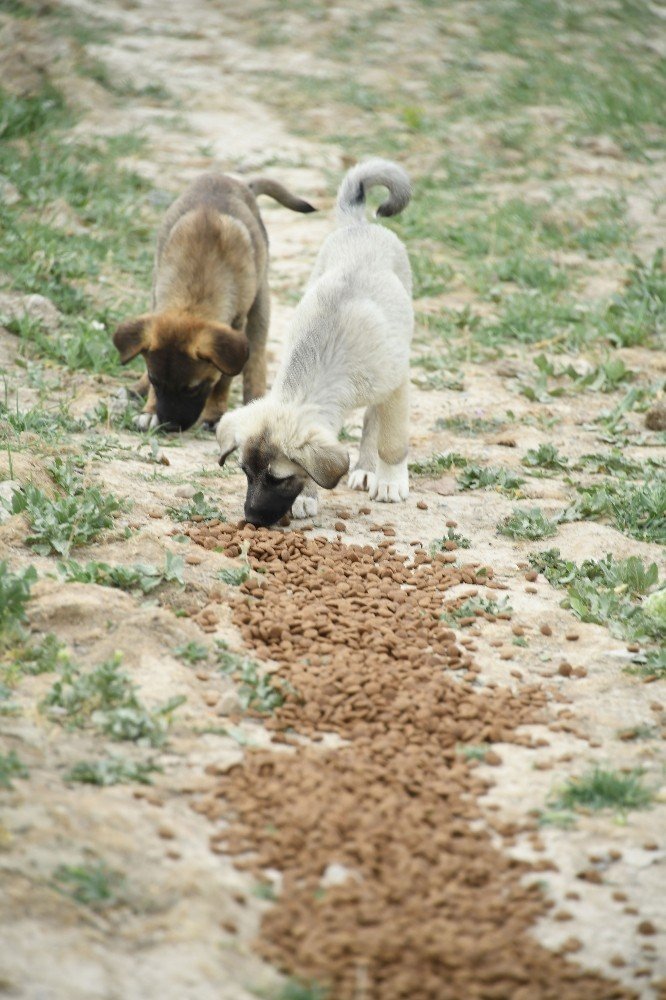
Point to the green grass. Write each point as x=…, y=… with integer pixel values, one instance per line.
x=296, y=990
x=601, y=789
x=11, y=767
x=528, y=523
x=140, y=577
x=451, y=536
x=108, y=700
x=636, y=509
x=235, y=575
x=437, y=464
x=111, y=771
x=94, y=885
x=470, y=426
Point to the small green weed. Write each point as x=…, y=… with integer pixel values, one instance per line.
x=601, y=789
x=470, y=426
x=437, y=464
x=651, y=663
x=471, y=751
x=94, y=885
x=257, y=690
x=196, y=509
x=638, y=315
x=529, y=523
x=473, y=608
x=140, y=577
x=451, y=536
x=638, y=510
x=295, y=990
x=478, y=477
x=235, y=575
x=546, y=456
x=111, y=771
x=606, y=377
x=11, y=767
x=58, y=525
x=107, y=698
x=192, y=652
x=14, y=595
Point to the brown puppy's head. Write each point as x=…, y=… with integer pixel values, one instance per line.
x=185, y=357
x=281, y=448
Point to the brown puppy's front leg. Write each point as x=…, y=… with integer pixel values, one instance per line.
x=216, y=404
x=256, y=331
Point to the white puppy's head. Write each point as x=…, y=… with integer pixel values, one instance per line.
x=281, y=447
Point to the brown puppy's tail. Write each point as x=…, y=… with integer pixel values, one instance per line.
x=264, y=185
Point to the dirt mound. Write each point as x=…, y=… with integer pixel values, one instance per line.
x=392, y=886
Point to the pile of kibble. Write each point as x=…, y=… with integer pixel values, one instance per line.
x=391, y=887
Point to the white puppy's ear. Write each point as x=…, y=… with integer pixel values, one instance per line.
x=323, y=458
x=227, y=436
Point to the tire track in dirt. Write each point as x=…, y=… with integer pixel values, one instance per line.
x=393, y=887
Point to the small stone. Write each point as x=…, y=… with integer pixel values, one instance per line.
x=228, y=703
x=655, y=418
x=451, y=524
x=211, y=698
x=580, y=672
x=492, y=758
x=156, y=514
x=531, y=590
x=186, y=491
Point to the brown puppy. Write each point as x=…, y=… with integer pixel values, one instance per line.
x=210, y=303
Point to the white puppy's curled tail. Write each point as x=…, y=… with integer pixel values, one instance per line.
x=362, y=177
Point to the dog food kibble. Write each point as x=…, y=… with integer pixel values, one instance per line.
x=340, y=526
x=361, y=650
x=545, y=630
x=421, y=504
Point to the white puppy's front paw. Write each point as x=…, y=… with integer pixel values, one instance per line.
x=392, y=484
x=361, y=479
x=304, y=507
x=146, y=421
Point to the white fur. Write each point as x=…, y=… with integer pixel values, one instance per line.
x=348, y=348
x=146, y=421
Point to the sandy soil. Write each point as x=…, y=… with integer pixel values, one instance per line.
x=193, y=916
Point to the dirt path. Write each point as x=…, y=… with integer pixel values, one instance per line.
x=188, y=921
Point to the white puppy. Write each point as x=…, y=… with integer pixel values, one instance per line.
x=348, y=348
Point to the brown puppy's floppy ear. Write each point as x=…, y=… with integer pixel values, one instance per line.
x=224, y=347
x=130, y=338
x=226, y=436
x=323, y=458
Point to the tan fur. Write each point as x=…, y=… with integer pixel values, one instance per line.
x=210, y=297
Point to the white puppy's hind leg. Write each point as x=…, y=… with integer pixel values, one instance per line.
x=306, y=503
x=363, y=477
x=392, y=475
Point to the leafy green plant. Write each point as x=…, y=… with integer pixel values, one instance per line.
x=451, y=536
x=60, y=524
x=473, y=608
x=257, y=690
x=111, y=771
x=196, y=509
x=469, y=426
x=529, y=523
x=14, y=594
x=11, y=767
x=602, y=789
x=638, y=314
x=478, y=477
x=137, y=577
x=296, y=990
x=546, y=456
x=94, y=885
x=638, y=510
x=235, y=575
x=192, y=652
x=604, y=591
x=107, y=698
